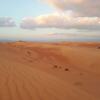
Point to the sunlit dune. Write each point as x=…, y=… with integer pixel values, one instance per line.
x=50, y=71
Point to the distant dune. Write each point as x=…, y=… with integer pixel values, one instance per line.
x=50, y=71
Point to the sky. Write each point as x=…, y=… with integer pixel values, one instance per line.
x=49, y=19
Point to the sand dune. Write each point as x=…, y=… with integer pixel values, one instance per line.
x=47, y=71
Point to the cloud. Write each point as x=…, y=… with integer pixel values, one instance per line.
x=83, y=7
x=65, y=21
x=7, y=22
x=74, y=14
x=28, y=23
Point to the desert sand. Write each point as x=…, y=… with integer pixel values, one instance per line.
x=49, y=71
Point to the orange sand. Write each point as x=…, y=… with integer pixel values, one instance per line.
x=49, y=71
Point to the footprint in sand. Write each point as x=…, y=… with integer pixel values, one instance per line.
x=28, y=52
x=66, y=69
x=98, y=47
x=78, y=83
x=55, y=66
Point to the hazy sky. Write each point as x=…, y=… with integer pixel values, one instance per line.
x=23, y=19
